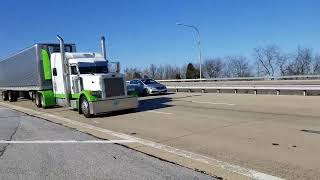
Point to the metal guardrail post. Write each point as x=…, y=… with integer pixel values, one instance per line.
x=304, y=93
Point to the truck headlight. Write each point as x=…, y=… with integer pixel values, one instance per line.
x=97, y=94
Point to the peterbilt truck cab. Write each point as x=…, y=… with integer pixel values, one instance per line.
x=89, y=83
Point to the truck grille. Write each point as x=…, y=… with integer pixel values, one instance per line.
x=114, y=87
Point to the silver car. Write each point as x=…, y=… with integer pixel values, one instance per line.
x=148, y=86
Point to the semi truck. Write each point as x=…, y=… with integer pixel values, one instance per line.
x=55, y=74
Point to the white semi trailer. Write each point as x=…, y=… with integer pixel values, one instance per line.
x=55, y=74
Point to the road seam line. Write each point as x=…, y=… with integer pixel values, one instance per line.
x=159, y=112
x=183, y=153
x=68, y=142
x=213, y=103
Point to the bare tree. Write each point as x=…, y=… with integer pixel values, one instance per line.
x=213, y=67
x=146, y=73
x=267, y=59
x=168, y=72
x=183, y=70
x=316, y=65
x=160, y=72
x=301, y=63
x=171, y=72
x=282, y=64
x=132, y=73
x=237, y=66
x=153, y=71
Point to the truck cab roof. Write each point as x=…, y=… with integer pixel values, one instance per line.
x=84, y=57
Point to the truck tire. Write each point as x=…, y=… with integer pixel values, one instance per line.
x=12, y=96
x=84, y=105
x=38, y=100
x=5, y=96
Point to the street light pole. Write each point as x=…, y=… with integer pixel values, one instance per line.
x=199, y=45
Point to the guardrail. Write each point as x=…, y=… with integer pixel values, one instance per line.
x=277, y=88
x=300, y=77
x=303, y=83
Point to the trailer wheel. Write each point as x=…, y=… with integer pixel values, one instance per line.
x=12, y=96
x=38, y=100
x=5, y=96
x=84, y=105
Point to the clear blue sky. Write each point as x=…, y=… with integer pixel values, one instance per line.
x=140, y=32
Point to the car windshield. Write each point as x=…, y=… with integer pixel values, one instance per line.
x=91, y=68
x=149, y=81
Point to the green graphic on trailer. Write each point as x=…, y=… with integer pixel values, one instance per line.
x=46, y=65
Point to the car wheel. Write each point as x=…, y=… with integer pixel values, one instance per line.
x=5, y=96
x=38, y=100
x=145, y=92
x=84, y=105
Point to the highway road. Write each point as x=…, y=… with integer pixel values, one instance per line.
x=275, y=135
x=50, y=154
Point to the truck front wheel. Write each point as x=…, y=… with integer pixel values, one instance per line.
x=5, y=96
x=84, y=105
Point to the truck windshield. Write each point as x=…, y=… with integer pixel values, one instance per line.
x=92, y=68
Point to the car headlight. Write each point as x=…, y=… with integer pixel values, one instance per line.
x=97, y=94
x=152, y=88
x=130, y=88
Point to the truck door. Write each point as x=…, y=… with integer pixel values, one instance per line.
x=75, y=79
x=57, y=75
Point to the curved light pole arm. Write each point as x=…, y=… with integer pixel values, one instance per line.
x=199, y=45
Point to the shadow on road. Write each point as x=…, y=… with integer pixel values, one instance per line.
x=144, y=105
x=154, y=103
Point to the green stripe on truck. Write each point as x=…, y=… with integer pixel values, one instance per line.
x=48, y=98
x=86, y=93
x=46, y=65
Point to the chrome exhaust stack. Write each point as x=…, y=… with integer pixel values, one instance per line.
x=65, y=68
x=103, y=48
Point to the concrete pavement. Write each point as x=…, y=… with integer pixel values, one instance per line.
x=65, y=160
x=271, y=134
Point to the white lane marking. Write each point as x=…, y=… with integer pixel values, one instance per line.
x=96, y=122
x=187, y=154
x=159, y=112
x=201, y=102
x=68, y=142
